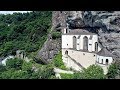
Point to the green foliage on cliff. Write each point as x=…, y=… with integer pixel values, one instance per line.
x=56, y=34
x=92, y=72
x=114, y=71
x=57, y=61
x=14, y=63
x=26, y=70
x=25, y=31
x=67, y=76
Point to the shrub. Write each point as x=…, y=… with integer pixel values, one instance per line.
x=93, y=72
x=58, y=61
x=27, y=66
x=14, y=63
x=2, y=68
x=7, y=74
x=66, y=76
x=56, y=35
x=114, y=70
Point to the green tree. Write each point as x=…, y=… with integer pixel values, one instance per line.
x=58, y=61
x=20, y=74
x=67, y=76
x=27, y=66
x=92, y=72
x=113, y=71
x=47, y=73
x=14, y=63
x=7, y=74
x=25, y=31
x=56, y=35
x=2, y=68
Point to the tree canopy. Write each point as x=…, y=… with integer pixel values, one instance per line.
x=24, y=31
x=20, y=69
x=114, y=71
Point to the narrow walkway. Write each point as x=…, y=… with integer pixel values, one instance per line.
x=58, y=71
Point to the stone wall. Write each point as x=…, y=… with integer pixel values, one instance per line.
x=84, y=58
x=49, y=50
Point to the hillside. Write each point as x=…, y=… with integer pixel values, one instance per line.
x=24, y=31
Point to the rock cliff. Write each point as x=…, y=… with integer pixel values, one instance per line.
x=105, y=23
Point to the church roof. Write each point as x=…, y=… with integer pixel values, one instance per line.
x=105, y=52
x=79, y=32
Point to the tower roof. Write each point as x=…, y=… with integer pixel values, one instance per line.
x=105, y=52
x=79, y=32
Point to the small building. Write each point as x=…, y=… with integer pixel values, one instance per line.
x=104, y=57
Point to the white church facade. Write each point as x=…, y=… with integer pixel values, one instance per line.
x=80, y=49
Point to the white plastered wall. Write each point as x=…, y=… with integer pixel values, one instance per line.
x=92, y=42
x=68, y=39
x=67, y=42
x=84, y=58
x=78, y=43
x=99, y=48
x=99, y=59
x=94, y=39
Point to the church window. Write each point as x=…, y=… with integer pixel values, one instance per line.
x=66, y=52
x=96, y=46
x=94, y=55
x=74, y=42
x=106, y=61
x=85, y=43
x=67, y=44
x=102, y=61
x=66, y=31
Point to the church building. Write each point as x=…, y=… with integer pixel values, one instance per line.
x=80, y=49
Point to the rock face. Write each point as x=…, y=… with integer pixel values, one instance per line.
x=50, y=49
x=105, y=23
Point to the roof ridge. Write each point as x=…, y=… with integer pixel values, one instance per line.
x=105, y=52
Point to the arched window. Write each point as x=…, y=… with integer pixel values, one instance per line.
x=74, y=42
x=66, y=31
x=106, y=61
x=85, y=43
x=66, y=52
x=98, y=60
x=96, y=46
x=102, y=61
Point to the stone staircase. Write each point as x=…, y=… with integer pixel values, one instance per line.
x=75, y=62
